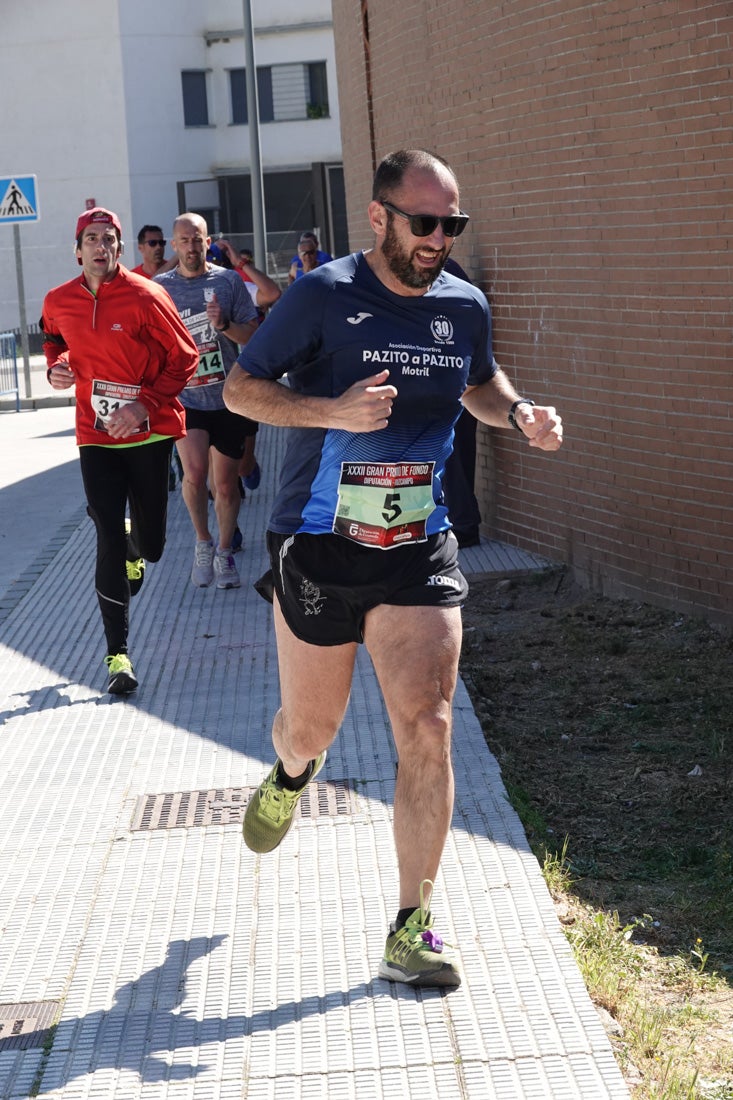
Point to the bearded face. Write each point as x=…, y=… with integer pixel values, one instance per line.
x=401, y=259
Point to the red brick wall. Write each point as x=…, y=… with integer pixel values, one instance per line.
x=593, y=146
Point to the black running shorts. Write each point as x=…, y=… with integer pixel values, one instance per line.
x=227, y=431
x=326, y=584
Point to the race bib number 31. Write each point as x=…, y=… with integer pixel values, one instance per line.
x=107, y=397
x=384, y=504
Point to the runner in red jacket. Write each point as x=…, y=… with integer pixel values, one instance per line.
x=119, y=339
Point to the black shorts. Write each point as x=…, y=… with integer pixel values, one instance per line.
x=227, y=431
x=326, y=584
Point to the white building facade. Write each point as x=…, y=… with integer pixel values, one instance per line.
x=140, y=106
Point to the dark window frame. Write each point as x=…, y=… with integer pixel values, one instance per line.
x=195, y=104
x=317, y=106
x=238, y=106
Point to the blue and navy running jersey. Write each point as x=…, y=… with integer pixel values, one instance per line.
x=339, y=325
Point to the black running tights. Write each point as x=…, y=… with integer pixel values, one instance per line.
x=113, y=476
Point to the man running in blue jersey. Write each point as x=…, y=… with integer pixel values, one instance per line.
x=382, y=350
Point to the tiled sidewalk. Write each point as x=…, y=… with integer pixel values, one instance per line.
x=175, y=962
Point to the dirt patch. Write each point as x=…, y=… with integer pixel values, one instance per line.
x=612, y=723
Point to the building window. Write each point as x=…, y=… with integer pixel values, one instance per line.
x=264, y=94
x=318, y=90
x=195, y=105
x=284, y=92
x=238, y=95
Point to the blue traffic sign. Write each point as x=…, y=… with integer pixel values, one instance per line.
x=18, y=199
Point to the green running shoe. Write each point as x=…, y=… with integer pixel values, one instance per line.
x=271, y=810
x=135, y=574
x=134, y=567
x=122, y=679
x=416, y=955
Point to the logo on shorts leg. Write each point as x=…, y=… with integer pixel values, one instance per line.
x=310, y=597
x=440, y=581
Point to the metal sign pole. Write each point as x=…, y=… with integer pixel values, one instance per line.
x=19, y=203
x=21, y=305
x=259, y=232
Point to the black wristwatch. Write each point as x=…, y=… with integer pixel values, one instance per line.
x=519, y=401
x=224, y=327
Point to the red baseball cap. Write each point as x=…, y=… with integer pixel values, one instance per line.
x=97, y=214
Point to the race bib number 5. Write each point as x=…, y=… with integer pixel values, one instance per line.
x=386, y=504
x=107, y=397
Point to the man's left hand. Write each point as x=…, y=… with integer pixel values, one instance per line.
x=542, y=426
x=126, y=420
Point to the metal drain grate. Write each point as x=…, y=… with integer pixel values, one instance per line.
x=226, y=806
x=26, y=1024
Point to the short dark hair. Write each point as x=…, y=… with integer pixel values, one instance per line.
x=148, y=229
x=391, y=171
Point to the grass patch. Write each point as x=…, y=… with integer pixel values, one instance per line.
x=35, y=1087
x=610, y=721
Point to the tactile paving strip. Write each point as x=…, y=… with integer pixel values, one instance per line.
x=48, y=548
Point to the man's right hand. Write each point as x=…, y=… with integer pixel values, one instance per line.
x=61, y=377
x=366, y=406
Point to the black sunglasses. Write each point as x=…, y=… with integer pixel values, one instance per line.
x=422, y=225
x=156, y=242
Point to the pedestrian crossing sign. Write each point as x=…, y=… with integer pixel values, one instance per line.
x=18, y=199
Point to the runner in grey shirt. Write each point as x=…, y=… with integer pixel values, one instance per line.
x=218, y=312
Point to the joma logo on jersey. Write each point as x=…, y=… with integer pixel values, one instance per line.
x=442, y=330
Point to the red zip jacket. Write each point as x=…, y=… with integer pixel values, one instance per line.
x=128, y=343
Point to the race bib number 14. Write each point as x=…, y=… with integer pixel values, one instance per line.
x=386, y=504
x=210, y=370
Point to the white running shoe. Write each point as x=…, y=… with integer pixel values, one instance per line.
x=225, y=569
x=202, y=573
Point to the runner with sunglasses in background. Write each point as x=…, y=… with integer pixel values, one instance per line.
x=382, y=350
x=151, y=246
x=307, y=260
x=308, y=257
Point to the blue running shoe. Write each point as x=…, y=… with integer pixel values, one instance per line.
x=251, y=481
